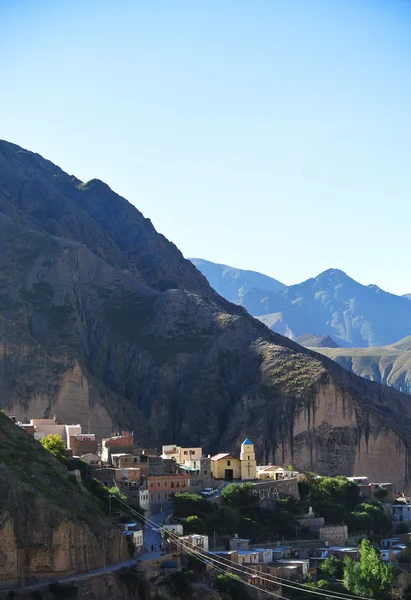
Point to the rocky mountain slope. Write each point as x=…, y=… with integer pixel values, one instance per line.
x=314, y=341
x=49, y=525
x=332, y=304
x=104, y=322
x=390, y=365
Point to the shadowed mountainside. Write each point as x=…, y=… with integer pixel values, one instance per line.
x=104, y=322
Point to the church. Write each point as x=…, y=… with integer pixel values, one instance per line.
x=230, y=468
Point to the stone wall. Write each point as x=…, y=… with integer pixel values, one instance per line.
x=268, y=491
x=334, y=534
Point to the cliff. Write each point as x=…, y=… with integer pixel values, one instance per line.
x=104, y=322
x=49, y=525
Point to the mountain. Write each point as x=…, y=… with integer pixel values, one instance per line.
x=312, y=341
x=235, y=284
x=331, y=304
x=390, y=365
x=50, y=524
x=103, y=322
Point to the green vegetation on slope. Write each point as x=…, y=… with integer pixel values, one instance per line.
x=389, y=365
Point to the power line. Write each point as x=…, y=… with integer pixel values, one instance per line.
x=248, y=570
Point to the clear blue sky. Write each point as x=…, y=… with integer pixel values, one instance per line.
x=272, y=135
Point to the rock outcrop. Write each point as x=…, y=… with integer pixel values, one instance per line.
x=104, y=322
x=50, y=526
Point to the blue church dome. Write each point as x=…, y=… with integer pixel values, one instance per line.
x=247, y=442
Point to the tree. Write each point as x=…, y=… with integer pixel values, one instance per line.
x=381, y=493
x=333, y=567
x=194, y=524
x=54, y=444
x=115, y=491
x=232, y=585
x=186, y=504
x=369, y=577
x=239, y=495
x=291, y=467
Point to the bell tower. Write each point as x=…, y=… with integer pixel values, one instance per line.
x=248, y=462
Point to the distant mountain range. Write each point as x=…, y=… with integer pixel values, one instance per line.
x=331, y=304
x=390, y=365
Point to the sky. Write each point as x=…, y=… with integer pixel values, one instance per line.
x=272, y=135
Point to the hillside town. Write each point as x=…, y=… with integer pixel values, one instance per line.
x=167, y=503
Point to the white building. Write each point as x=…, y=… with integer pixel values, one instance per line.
x=264, y=554
x=401, y=512
x=181, y=455
x=44, y=427
x=144, y=499
x=196, y=541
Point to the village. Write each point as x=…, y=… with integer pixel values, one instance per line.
x=153, y=485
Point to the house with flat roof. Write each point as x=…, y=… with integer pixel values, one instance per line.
x=247, y=556
x=237, y=543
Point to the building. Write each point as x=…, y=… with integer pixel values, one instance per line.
x=179, y=454
x=162, y=487
x=225, y=466
x=401, y=512
x=199, y=471
x=144, y=499
x=117, y=444
x=91, y=459
x=275, y=473
x=195, y=541
x=124, y=461
x=248, y=462
x=176, y=528
x=265, y=555
x=82, y=443
x=134, y=531
x=248, y=556
x=45, y=427
x=226, y=555
x=237, y=543
x=128, y=481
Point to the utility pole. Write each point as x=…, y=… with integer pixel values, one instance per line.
x=214, y=542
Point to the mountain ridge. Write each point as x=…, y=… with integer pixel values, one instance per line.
x=331, y=304
x=104, y=322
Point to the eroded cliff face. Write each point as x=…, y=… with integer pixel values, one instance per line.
x=105, y=323
x=50, y=525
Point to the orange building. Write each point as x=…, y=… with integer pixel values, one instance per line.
x=161, y=487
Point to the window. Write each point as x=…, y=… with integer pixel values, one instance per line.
x=158, y=484
x=205, y=472
x=151, y=484
x=165, y=484
x=248, y=458
x=135, y=459
x=172, y=484
x=185, y=452
x=183, y=484
x=228, y=463
x=178, y=484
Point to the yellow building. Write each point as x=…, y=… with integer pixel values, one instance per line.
x=248, y=462
x=225, y=466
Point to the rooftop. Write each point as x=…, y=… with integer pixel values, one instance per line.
x=247, y=552
x=247, y=442
x=220, y=456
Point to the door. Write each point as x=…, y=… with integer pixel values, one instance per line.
x=228, y=474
